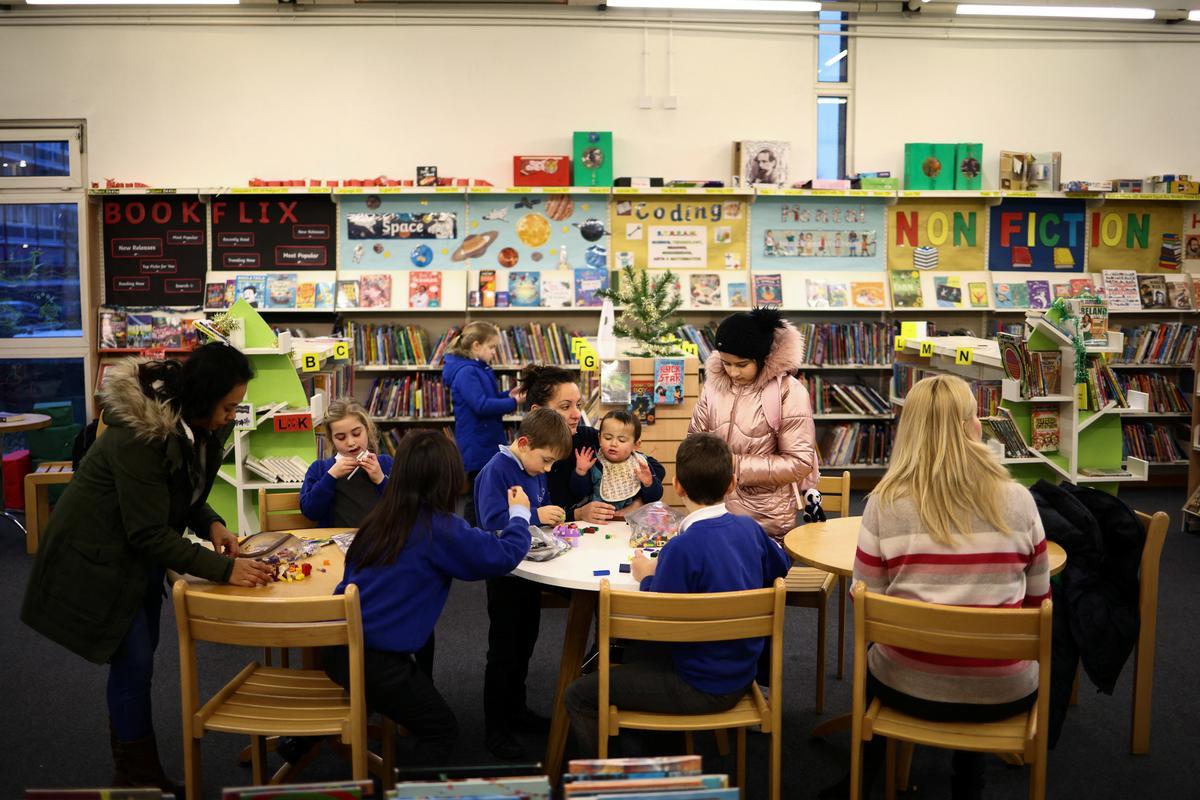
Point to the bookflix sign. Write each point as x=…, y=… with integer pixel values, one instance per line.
x=154, y=251
x=260, y=232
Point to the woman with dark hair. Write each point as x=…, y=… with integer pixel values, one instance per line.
x=97, y=585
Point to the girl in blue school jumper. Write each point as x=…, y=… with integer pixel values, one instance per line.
x=479, y=406
x=339, y=491
x=403, y=559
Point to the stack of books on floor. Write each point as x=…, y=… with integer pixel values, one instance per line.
x=858, y=443
x=1003, y=428
x=278, y=469
x=97, y=794
x=415, y=395
x=1165, y=395
x=846, y=344
x=527, y=787
x=678, y=777
x=1155, y=442
x=1165, y=343
x=838, y=398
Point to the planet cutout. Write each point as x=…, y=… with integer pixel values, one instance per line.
x=536, y=255
x=508, y=257
x=596, y=256
x=533, y=230
x=591, y=229
x=474, y=245
x=421, y=255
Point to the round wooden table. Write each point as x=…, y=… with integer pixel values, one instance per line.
x=831, y=546
x=25, y=422
x=317, y=584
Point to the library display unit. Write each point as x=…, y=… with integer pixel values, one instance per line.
x=1191, y=508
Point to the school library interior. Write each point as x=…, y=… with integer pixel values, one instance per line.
x=572, y=399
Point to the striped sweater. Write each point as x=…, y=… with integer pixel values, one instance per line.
x=984, y=569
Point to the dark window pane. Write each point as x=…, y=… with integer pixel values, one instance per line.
x=39, y=270
x=833, y=62
x=35, y=159
x=831, y=137
x=26, y=381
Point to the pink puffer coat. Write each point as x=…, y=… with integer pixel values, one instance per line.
x=766, y=464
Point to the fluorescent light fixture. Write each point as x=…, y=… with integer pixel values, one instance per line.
x=831, y=101
x=837, y=58
x=1078, y=12
x=1194, y=16
x=720, y=5
x=131, y=2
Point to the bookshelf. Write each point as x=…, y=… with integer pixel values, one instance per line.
x=1191, y=515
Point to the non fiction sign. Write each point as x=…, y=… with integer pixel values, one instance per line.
x=1137, y=236
x=933, y=234
x=154, y=250
x=1038, y=235
x=268, y=232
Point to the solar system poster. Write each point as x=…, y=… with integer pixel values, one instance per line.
x=536, y=232
x=670, y=232
x=272, y=232
x=154, y=250
x=401, y=231
x=818, y=233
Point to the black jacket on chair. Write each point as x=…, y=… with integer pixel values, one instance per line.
x=1096, y=600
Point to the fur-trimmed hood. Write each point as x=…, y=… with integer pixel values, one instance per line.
x=785, y=357
x=127, y=405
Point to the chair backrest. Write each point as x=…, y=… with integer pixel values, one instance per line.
x=1156, y=533
x=278, y=511
x=659, y=617
x=835, y=493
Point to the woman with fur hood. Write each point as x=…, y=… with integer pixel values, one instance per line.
x=96, y=587
x=751, y=367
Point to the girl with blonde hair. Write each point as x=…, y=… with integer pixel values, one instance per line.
x=947, y=525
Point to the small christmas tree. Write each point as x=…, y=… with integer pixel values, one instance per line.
x=649, y=311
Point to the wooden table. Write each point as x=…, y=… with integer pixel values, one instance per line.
x=317, y=584
x=575, y=570
x=26, y=422
x=831, y=546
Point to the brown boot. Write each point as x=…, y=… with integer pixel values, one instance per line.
x=137, y=764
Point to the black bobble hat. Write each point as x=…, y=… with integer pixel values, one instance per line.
x=749, y=334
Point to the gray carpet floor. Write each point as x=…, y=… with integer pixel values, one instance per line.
x=55, y=732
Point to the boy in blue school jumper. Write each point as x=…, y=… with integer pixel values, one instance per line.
x=715, y=551
x=514, y=604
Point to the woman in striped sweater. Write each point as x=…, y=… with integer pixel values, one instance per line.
x=947, y=525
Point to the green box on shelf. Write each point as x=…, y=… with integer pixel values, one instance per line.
x=929, y=165
x=593, y=158
x=968, y=165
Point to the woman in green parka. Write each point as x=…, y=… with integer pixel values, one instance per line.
x=97, y=585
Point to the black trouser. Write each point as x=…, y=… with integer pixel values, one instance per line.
x=397, y=687
x=968, y=765
x=514, y=616
x=645, y=681
x=469, y=508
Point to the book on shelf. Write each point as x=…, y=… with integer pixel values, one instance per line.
x=1103, y=387
x=424, y=289
x=524, y=289
x=281, y=290
x=1165, y=395
x=1156, y=442
x=278, y=469
x=415, y=395
x=947, y=291
x=251, y=288
x=375, y=291
x=1100, y=472
x=1093, y=324
x=1039, y=293
x=737, y=295
x=324, y=295
x=1121, y=289
x=1003, y=428
x=1032, y=172
x=306, y=294
x=846, y=343
x=214, y=295
x=641, y=400
x=978, y=294
x=1044, y=428
x=339, y=790
x=139, y=330
x=705, y=289
x=1152, y=291
x=1168, y=343
x=768, y=289
x=588, y=282
x=857, y=443
x=347, y=294
x=614, y=382
x=668, y=381
x=867, y=294
x=1192, y=506
x=141, y=793
x=556, y=292
x=1045, y=372
x=838, y=294
x=1179, y=291
x=906, y=289
x=660, y=766
x=532, y=787
x=684, y=787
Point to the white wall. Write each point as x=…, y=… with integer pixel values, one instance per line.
x=216, y=105
x=211, y=106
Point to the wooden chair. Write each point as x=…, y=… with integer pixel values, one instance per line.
x=808, y=587
x=271, y=701
x=279, y=511
x=37, y=498
x=1022, y=634
x=651, y=616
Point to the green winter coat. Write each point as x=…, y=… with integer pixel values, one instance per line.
x=123, y=513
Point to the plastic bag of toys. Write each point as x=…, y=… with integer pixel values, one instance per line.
x=544, y=545
x=653, y=525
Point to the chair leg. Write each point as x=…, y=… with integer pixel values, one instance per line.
x=1075, y=686
x=191, y=766
x=387, y=743
x=823, y=602
x=856, y=752
x=741, y=763
x=889, y=786
x=1037, y=779
x=258, y=760
x=843, y=590
x=722, y=737
x=904, y=765
x=285, y=773
x=689, y=744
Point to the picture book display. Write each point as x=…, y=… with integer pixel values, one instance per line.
x=947, y=290
x=1152, y=291
x=154, y=250
x=281, y=290
x=867, y=294
x=1030, y=172
x=1179, y=291
x=266, y=232
x=487, y=288
x=556, y=291
x=252, y=289
x=737, y=295
x=641, y=400
x=589, y=281
x=705, y=290
x=1043, y=424
x=1093, y=324
x=347, y=294
x=408, y=232
x=552, y=231
x=668, y=381
x=761, y=163
x=424, y=289
x=614, y=382
x=817, y=233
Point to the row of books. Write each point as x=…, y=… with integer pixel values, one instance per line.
x=1165, y=343
x=987, y=397
x=274, y=290
x=1156, y=442
x=415, y=395
x=857, y=443
x=536, y=343
x=537, y=289
x=278, y=469
x=1040, y=370
x=705, y=338
x=1165, y=394
x=148, y=329
x=846, y=343
x=1001, y=427
x=1103, y=388
x=833, y=398
x=379, y=344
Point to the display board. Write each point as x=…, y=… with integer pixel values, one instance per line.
x=406, y=231
x=1133, y=236
x=937, y=234
x=154, y=250
x=1038, y=234
x=542, y=231
x=679, y=232
x=268, y=232
x=818, y=233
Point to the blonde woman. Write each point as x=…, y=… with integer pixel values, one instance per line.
x=947, y=525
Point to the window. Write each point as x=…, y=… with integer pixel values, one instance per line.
x=831, y=136
x=41, y=158
x=26, y=381
x=39, y=270
x=834, y=91
x=833, y=49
